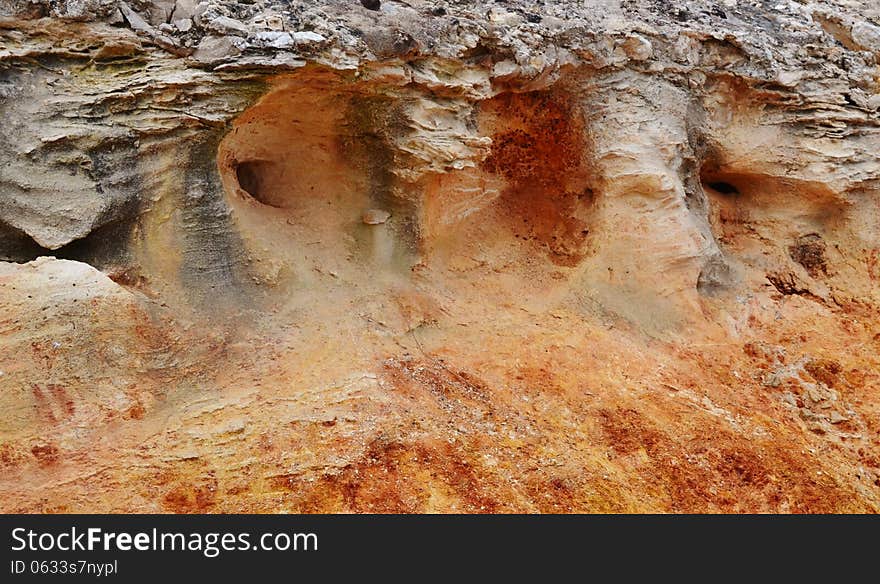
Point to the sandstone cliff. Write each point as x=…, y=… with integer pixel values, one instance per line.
x=570, y=255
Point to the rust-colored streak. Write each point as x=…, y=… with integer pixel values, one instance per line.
x=539, y=148
x=46, y=454
x=62, y=398
x=42, y=404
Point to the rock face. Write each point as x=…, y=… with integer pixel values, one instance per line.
x=440, y=256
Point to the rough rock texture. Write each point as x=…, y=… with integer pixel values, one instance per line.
x=597, y=255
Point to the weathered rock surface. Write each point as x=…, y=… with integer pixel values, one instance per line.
x=445, y=256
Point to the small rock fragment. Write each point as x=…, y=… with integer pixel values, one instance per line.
x=213, y=48
x=183, y=25
x=140, y=26
x=226, y=25
x=371, y=4
x=185, y=9
x=305, y=37
x=836, y=417
x=376, y=216
x=134, y=19
x=638, y=48
x=159, y=12
x=501, y=16
x=117, y=48
x=274, y=39
x=269, y=21
x=867, y=36
x=506, y=68
x=199, y=11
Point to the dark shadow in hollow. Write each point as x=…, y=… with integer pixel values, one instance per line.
x=725, y=188
x=254, y=178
